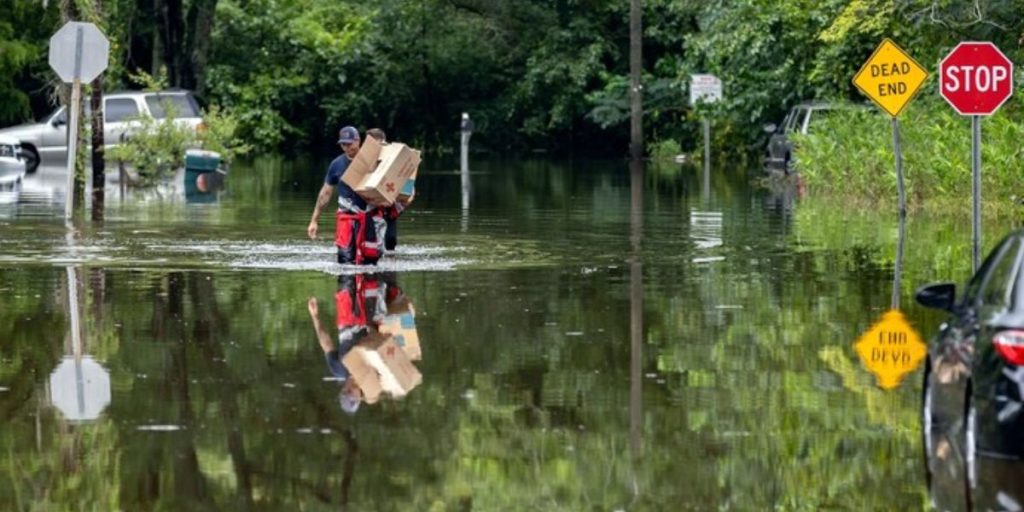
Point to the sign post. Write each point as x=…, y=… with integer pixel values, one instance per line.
x=976, y=79
x=79, y=52
x=706, y=89
x=891, y=78
x=891, y=348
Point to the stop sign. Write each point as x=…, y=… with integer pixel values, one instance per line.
x=976, y=78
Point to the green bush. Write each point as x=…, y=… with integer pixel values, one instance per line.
x=851, y=153
x=221, y=134
x=158, y=147
x=156, y=150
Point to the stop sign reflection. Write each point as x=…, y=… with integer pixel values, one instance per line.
x=976, y=78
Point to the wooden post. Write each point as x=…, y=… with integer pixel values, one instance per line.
x=636, y=134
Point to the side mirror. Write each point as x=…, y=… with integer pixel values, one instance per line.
x=58, y=121
x=770, y=128
x=937, y=296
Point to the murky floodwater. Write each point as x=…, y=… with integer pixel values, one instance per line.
x=587, y=343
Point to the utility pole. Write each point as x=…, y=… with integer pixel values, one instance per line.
x=636, y=128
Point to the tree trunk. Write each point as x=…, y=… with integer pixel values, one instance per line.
x=98, y=161
x=158, y=37
x=636, y=133
x=171, y=15
x=200, y=27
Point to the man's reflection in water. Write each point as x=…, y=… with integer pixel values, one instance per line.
x=362, y=303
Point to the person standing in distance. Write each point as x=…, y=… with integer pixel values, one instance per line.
x=354, y=247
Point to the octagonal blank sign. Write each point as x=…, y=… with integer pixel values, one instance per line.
x=79, y=51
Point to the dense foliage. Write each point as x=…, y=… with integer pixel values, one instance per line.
x=851, y=153
x=533, y=73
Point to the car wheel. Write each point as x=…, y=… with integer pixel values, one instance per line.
x=31, y=158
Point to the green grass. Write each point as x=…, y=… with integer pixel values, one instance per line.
x=850, y=156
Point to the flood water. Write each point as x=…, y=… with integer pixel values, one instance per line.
x=592, y=339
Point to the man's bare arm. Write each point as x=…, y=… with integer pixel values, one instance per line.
x=321, y=333
x=322, y=199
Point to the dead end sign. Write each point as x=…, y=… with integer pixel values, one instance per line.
x=890, y=77
x=891, y=349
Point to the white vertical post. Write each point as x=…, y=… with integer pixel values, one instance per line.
x=73, y=108
x=76, y=332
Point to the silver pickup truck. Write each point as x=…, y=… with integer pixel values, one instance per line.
x=47, y=139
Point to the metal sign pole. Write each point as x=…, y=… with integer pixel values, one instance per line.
x=976, y=171
x=898, y=270
x=707, y=146
x=902, y=192
x=898, y=150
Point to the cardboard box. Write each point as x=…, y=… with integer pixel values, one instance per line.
x=397, y=164
x=379, y=173
x=363, y=164
x=402, y=327
x=380, y=366
x=409, y=189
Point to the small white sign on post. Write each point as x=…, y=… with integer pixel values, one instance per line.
x=79, y=52
x=705, y=88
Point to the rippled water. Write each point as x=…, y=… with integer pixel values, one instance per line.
x=589, y=342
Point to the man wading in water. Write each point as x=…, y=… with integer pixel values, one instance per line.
x=360, y=228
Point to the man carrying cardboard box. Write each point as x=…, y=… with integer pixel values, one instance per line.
x=360, y=228
x=391, y=213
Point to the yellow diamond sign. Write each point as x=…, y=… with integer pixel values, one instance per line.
x=891, y=349
x=890, y=77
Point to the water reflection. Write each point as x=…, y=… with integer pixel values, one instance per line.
x=377, y=340
x=636, y=316
x=567, y=369
x=959, y=482
x=466, y=187
x=79, y=387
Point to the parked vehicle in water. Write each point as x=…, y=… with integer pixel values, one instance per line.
x=12, y=165
x=47, y=139
x=973, y=403
x=800, y=119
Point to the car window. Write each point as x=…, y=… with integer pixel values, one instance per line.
x=1000, y=282
x=785, y=122
x=181, y=105
x=796, y=121
x=60, y=116
x=973, y=289
x=120, y=109
x=818, y=117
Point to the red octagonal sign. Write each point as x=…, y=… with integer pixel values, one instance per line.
x=976, y=78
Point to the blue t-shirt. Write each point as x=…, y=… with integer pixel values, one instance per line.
x=347, y=338
x=348, y=199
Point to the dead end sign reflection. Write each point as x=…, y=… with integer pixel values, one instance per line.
x=891, y=349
